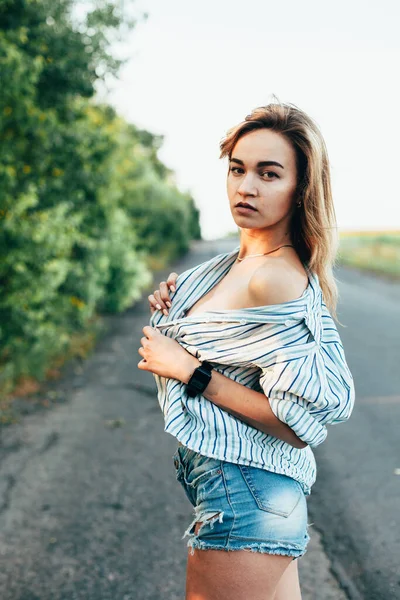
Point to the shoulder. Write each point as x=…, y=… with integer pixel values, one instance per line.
x=277, y=280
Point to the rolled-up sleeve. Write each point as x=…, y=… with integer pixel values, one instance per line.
x=310, y=391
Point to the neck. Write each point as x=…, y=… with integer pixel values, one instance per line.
x=253, y=245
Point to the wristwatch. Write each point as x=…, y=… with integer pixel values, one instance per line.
x=199, y=380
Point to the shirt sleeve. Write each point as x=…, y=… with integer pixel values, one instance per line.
x=310, y=391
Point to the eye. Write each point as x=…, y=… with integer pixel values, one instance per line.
x=270, y=173
x=235, y=169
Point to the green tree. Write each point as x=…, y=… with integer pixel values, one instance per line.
x=84, y=197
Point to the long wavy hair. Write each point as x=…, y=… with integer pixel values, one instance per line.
x=313, y=225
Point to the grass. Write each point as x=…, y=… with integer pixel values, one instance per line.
x=375, y=251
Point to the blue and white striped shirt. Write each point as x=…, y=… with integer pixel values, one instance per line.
x=290, y=351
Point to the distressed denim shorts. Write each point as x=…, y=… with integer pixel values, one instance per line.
x=242, y=507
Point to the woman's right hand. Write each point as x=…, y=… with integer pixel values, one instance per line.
x=160, y=299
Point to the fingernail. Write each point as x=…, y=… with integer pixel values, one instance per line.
x=168, y=304
x=165, y=312
x=158, y=306
x=172, y=288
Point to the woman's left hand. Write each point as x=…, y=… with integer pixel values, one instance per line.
x=164, y=356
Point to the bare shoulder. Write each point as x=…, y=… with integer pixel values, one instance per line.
x=277, y=280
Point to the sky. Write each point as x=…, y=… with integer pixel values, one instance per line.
x=196, y=69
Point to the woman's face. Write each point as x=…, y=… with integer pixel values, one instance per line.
x=253, y=179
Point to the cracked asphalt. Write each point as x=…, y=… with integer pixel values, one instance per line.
x=89, y=505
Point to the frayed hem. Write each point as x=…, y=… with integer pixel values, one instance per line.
x=258, y=547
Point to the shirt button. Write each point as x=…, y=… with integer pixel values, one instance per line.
x=288, y=322
x=242, y=321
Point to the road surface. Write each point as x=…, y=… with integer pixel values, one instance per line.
x=89, y=505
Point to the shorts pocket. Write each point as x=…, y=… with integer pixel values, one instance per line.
x=178, y=464
x=273, y=492
x=203, y=476
x=198, y=474
x=180, y=472
x=201, y=467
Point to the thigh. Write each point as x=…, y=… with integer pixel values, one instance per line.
x=239, y=575
x=289, y=584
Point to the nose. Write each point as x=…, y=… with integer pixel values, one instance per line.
x=247, y=186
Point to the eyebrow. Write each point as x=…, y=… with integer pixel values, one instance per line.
x=262, y=163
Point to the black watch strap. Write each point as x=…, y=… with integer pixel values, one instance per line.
x=199, y=380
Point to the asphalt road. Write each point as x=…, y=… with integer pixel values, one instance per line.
x=355, y=501
x=89, y=504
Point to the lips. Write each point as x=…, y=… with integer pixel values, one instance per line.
x=245, y=205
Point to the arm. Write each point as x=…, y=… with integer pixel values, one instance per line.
x=312, y=387
x=242, y=402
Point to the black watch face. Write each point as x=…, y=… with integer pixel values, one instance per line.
x=204, y=376
x=200, y=379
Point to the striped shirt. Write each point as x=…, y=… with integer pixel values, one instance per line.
x=290, y=351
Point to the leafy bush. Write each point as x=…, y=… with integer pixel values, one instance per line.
x=84, y=198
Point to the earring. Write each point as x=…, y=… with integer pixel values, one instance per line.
x=298, y=203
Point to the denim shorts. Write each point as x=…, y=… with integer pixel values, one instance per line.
x=242, y=507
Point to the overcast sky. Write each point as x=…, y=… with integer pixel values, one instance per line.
x=198, y=68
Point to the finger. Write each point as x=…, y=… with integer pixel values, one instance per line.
x=171, y=281
x=161, y=303
x=149, y=331
x=143, y=341
x=164, y=294
x=153, y=303
x=142, y=352
x=142, y=365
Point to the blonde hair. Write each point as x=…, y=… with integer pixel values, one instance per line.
x=313, y=226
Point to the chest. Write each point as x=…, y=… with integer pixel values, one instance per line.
x=230, y=293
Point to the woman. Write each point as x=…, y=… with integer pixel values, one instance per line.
x=249, y=366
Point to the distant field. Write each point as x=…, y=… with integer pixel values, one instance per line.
x=377, y=251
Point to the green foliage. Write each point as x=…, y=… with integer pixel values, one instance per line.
x=84, y=198
x=378, y=252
